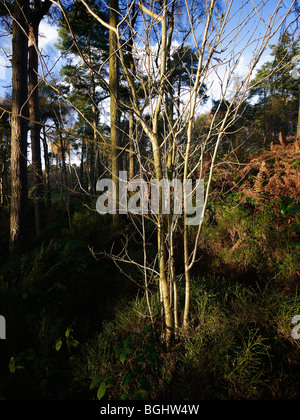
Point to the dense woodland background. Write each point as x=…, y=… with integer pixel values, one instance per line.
x=82, y=323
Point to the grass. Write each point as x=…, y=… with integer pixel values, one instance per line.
x=238, y=346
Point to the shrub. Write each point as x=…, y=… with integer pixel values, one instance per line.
x=240, y=241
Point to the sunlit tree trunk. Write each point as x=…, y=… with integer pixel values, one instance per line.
x=170, y=101
x=194, y=95
x=161, y=227
x=131, y=113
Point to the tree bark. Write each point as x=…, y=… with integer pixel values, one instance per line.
x=170, y=96
x=19, y=130
x=298, y=126
x=2, y=185
x=131, y=114
x=114, y=98
x=34, y=116
x=161, y=228
x=37, y=12
x=131, y=145
x=47, y=168
x=93, y=144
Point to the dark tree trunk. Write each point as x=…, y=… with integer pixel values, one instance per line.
x=38, y=11
x=38, y=188
x=19, y=130
x=47, y=168
x=131, y=145
x=114, y=97
x=298, y=126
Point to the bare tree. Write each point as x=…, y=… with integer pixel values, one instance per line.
x=218, y=37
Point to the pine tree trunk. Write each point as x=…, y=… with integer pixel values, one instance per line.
x=47, y=168
x=93, y=144
x=114, y=97
x=131, y=145
x=2, y=185
x=38, y=188
x=19, y=130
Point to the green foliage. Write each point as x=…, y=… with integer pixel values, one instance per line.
x=28, y=359
x=69, y=340
x=138, y=357
x=56, y=290
x=277, y=91
x=91, y=47
x=287, y=206
x=43, y=365
x=245, y=372
x=244, y=241
x=236, y=346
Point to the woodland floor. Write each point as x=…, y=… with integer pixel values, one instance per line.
x=75, y=323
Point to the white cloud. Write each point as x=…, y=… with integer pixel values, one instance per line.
x=3, y=64
x=48, y=34
x=242, y=67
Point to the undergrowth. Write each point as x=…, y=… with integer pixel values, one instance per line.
x=79, y=329
x=238, y=346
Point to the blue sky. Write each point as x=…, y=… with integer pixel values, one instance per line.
x=49, y=37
